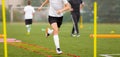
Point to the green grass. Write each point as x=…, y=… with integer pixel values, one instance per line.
x=82, y=46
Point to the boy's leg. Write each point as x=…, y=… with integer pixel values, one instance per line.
x=28, y=29
x=48, y=32
x=55, y=23
x=28, y=23
x=56, y=37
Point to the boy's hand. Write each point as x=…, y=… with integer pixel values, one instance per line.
x=71, y=9
x=59, y=11
x=39, y=8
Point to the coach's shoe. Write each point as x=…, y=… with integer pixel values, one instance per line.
x=47, y=34
x=73, y=35
x=78, y=36
x=58, y=51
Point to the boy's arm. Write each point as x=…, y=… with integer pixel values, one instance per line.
x=33, y=14
x=24, y=10
x=44, y=3
x=81, y=5
x=33, y=11
x=67, y=6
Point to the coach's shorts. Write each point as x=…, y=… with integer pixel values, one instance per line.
x=58, y=20
x=28, y=21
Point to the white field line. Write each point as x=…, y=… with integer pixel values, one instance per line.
x=109, y=55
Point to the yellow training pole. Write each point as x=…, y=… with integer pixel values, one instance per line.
x=81, y=22
x=95, y=29
x=105, y=35
x=4, y=28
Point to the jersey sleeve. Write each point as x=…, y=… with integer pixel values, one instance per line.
x=33, y=10
x=24, y=9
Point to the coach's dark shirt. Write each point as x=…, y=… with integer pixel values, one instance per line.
x=75, y=4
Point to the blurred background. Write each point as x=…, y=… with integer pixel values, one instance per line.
x=108, y=22
x=108, y=11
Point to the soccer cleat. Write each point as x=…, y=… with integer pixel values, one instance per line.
x=28, y=33
x=58, y=51
x=47, y=34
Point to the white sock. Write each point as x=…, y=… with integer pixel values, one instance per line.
x=28, y=28
x=50, y=31
x=56, y=41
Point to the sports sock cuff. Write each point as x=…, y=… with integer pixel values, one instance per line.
x=55, y=36
x=27, y=25
x=56, y=40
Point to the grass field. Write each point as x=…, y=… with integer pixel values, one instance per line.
x=82, y=46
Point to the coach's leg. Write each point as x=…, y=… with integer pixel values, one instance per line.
x=74, y=19
x=73, y=30
x=78, y=18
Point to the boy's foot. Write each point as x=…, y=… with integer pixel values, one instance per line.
x=58, y=51
x=47, y=34
x=28, y=33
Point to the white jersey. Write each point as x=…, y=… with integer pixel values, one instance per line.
x=29, y=10
x=56, y=5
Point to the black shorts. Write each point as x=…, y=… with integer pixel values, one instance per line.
x=28, y=21
x=58, y=20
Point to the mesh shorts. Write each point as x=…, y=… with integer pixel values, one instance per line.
x=58, y=20
x=28, y=21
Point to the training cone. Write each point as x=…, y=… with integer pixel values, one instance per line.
x=112, y=31
x=1, y=35
x=81, y=26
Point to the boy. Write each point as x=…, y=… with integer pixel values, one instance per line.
x=29, y=13
x=57, y=7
